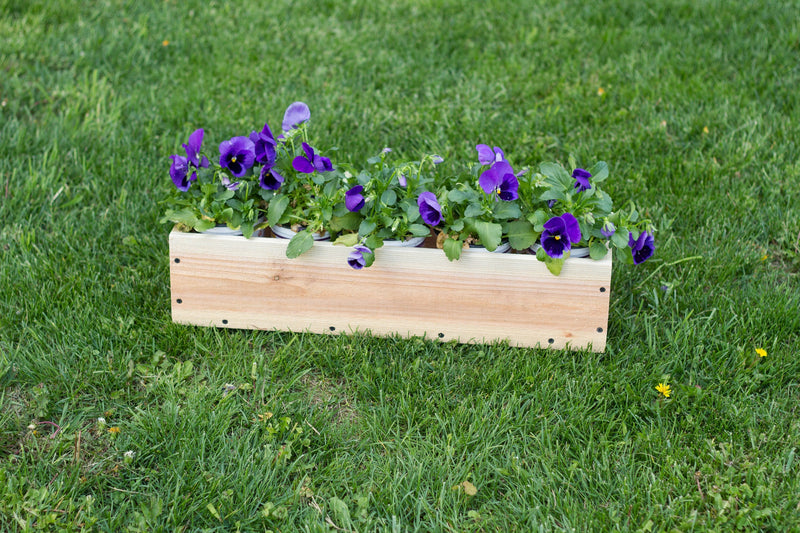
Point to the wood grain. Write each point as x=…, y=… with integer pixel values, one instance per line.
x=234, y=282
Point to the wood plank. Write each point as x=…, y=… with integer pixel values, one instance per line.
x=234, y=282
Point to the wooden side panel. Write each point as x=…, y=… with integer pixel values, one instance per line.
x=234, y=282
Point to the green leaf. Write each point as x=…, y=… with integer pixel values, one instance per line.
x=373, y=242
x=226, y=194
x=419, y=230
x=552, y=194
x=620, y=238
x=348, y=239
x=489, y=233
x=506, y=211
x=247, y=228
x=300, y=244
x=373, y=160
x=456, y=196
x=521, y=234
x=452, y=248
x=185, y=216
x=349, y=221
x=473, y=210
x=204, y=224
x=556, y=173
x=554, y=265
x=597, y=250
x=599, y=171
x=367, y=226
x=276, y=209
x=389, y=197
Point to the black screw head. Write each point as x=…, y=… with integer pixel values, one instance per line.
x=332, y=328
x=602, y=289
x=441, y=335
x=179, y=301
x=224, y=321
x=551, y=341
x=177, y=260
x=599, y=330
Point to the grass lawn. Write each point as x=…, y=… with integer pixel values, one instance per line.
x=696, y=107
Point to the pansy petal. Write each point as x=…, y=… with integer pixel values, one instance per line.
x=555, y=225
x=489, y=180
x=301, y=164
x=485, y=154
x=295, y=114
x=571, y=227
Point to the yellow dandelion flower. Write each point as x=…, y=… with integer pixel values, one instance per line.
x=600, y=91
x=705, y=129
x=114, y=430
x=165, y=43
x=761, y=352
x=664, y=389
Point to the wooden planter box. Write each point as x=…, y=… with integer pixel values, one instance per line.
x=234, y=282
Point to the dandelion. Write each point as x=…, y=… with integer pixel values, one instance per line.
x=705, y=129
x=165, y=43
x=600, y=91
x=761, y=352
x=664, y=389
x=114, y=430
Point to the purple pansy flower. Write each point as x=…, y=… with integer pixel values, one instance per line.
x=356, y=258
x=581, y=179
x=559, y=234
x=311, y=162
x=401, y=179
x=237, y=155
x=500, y=179
x=264, y=145
x=429, y=208
x=231, y=186
x=179, y=172
x=193, y=150
x=270, y=179
x=353, y=199
x=608, y=230
x=295, y=114
x=488, y=156
x=642, y=248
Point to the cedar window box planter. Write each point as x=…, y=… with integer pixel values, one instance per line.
x=233, y=282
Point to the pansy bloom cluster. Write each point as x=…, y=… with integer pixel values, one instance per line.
x=259, y=180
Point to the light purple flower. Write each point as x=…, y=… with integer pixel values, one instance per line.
x=429, y=208
x=231, y=186
x=237, y=155
x=608, y=229
x=311, y=162
x=642, y=248
x=581, y=179
x=353, y=199
x=500, y=179
x=356, y=258
x=488, y=156
x=401, y=179
x=559, y=234
x=386, y=150
x=295, y=114
x=437, y=159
